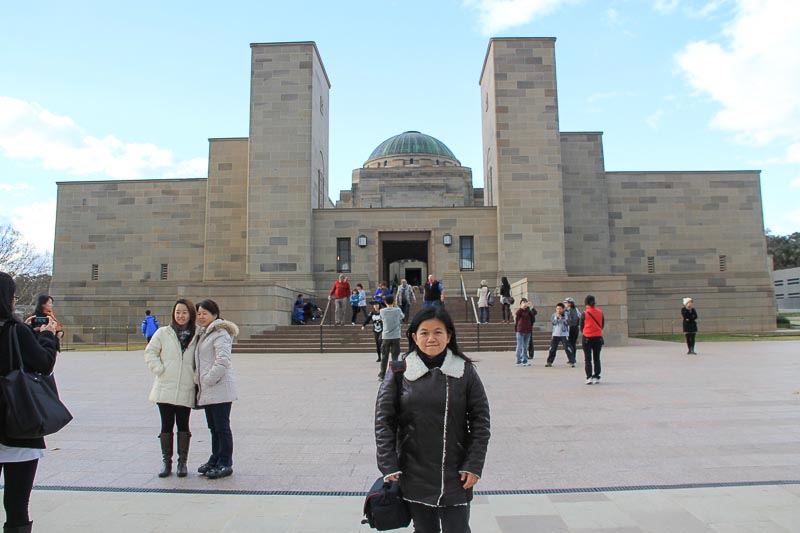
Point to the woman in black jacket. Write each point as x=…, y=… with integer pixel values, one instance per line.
x=505, y=299
x=689, y=315
x=20, y=457
x=432, y=425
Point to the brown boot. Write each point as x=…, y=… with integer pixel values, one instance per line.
x=166, y=454
x=183, y=452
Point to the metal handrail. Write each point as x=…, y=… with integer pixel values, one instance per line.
x=477, y=323
x=321, y=323
x=464, y=293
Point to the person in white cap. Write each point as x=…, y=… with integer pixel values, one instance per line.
x=689, y=314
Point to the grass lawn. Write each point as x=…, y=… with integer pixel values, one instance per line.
x=724, y=337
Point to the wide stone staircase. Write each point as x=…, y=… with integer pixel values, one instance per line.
x=495, y=336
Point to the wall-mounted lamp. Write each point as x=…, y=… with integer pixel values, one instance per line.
x=362, y=241
x=447, y=239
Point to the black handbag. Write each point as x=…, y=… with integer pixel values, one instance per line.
x=33, y=408
x=385, y=508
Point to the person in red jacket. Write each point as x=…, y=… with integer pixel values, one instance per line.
x=592, y=323
x=340, y=291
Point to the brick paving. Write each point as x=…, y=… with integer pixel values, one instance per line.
x=304, y=423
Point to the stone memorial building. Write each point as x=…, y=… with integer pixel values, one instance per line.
x=261, y=227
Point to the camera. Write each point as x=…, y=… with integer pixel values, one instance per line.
x=39, y=321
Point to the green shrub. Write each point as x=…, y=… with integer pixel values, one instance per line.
x=783, y=322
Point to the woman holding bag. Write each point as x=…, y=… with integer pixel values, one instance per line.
x=170, y=357
x=19, y=458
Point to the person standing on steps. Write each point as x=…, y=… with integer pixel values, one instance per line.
x=689, y=314
x=341, y=292
x=592, y=324
x=483, y=302
x=405, y=295
x=505, y=300
x=433, y=293
x=170, y=357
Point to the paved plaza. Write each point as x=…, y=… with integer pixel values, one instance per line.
x=668, y=442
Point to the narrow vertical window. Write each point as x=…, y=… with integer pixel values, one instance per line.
x=343, y=255
x=467, y=253
x=164, y=271
x=723, y=263
x=95, y=272
x=651, y=265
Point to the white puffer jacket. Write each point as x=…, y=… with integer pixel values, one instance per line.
x=213, y=362
x=174, y=371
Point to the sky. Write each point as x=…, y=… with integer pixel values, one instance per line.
x=95, y=90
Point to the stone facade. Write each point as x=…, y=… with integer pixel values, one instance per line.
x=787, y=289
x=261, y=227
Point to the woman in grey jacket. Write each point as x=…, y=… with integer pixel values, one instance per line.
x=170, y=357
x=216, y=385
x=432, y=425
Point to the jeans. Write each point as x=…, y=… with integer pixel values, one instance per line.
x=388, y=345
x=404, y=307
x=591, y=355
x=431, y=303
x=172, y=415
x=484, y=311
x=18, y=479
x=218, y=416
x=522, y=347
x=452, y=519
x=567, y=348
x=506, y=312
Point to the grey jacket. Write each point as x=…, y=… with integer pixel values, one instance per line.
x=560, y=327
x=215, y=378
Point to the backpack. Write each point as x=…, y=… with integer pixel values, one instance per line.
x=384, y=507
x=490, y=299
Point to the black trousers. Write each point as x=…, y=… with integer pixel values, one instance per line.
x=573, y=338
x=453, y=519
x=506, y=312
x=690, y=340
x=356, y=310
x=18, y=480
x=591, y=356
x=172, y=415
x=554, y=341
x=378, y=342
x=387, y=346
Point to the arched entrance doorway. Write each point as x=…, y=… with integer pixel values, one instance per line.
x=404, y=255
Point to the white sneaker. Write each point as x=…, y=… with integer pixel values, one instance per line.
x=526, y=364
x=596, y=380
x=589, y=381
x=519, y=364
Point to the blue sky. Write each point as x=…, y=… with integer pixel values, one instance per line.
x=108, y=90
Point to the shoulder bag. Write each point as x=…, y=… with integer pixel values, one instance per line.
x=33, y=408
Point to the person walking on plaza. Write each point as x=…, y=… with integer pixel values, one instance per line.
x=592, y=324
x=170, y=357
x=689, y=314
x=149, y=325
x=19, y=458
x=560, y=333
x=405, y=295
x=391, y=317
x=505, y=300
x=432, y=425
x=377, y=327
x=523, y=326
x=216, y=385
x=341, y=292
x=483, y=302
x=573, y=321
x=433, y=292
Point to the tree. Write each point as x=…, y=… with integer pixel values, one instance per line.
x=31, y=270
x=784, y=249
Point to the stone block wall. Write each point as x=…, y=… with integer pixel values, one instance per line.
x=287, y=153
x=586, y=231
x=412, y=187
x=522, y=144
x=697, y=234
x=226, y=210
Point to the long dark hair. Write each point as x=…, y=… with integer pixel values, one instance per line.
x=190, y=326
x=7, y=290
x=40, y=301
x=439, y=313
x=505, y=282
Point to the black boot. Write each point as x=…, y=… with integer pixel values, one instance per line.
x=18, y=529
x=166, y=454
x=183, y=452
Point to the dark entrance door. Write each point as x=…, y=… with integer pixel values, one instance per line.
x=402, y=246
x=414, y=276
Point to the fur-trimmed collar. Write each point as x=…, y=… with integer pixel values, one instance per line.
x=453, y=366
x=219, y=323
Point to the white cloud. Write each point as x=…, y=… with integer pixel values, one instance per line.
x=37, y=223
x=754, y=76
x=707, y=10
x=28, y=131
x=5, y=187
x=499, y=15
x=795, y=183
x=653, y=120
x=665, y=6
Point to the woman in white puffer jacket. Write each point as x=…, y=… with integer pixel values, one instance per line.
x=170, y=357
x=216, y=385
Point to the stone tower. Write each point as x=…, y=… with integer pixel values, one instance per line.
x=288, y=160
x=522, y=155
